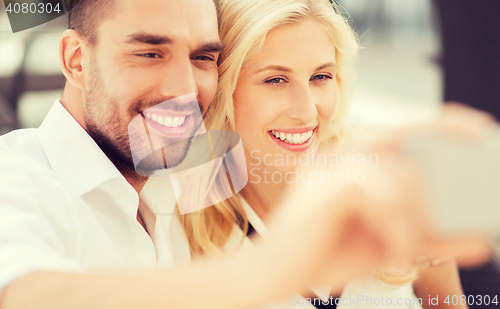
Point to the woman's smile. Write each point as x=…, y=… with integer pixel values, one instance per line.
x=295, y=139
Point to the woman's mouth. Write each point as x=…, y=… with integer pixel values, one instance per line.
x=293, y=138
x=298, y=140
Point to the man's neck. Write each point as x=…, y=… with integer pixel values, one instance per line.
x=72, y=101
x=135, y=180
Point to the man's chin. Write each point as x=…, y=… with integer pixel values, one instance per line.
x=164, y=158
x=148, y=167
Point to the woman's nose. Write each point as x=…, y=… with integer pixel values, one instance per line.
x=302, y=105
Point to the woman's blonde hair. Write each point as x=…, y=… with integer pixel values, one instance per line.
x=244, y=27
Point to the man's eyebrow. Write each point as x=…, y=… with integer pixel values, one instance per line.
x=212, y=47
x=146, y=38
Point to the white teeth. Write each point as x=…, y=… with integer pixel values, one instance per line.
x=293, y=138
x=303, y=138
x=167, y=121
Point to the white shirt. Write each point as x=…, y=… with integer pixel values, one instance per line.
x=65, y=207
x=366, y=293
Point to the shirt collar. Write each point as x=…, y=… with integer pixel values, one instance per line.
x=254, y=219
x=262, y=231
x=73, y=154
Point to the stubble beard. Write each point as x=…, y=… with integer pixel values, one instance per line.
x=101, y=113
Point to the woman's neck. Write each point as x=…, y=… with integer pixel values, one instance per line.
x=263, y=196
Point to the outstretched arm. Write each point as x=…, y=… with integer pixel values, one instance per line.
x=440, y=281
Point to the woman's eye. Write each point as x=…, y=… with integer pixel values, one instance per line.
x=277, y=80
x=322, y=77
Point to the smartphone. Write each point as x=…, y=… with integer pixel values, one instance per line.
x=462, y=181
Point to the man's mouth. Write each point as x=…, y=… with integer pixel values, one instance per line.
x=293, y=138
x=167, y=124
x=166, y=121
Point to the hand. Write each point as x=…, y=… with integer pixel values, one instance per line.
x=330, y=233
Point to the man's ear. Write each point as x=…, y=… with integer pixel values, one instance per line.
x=71, y=46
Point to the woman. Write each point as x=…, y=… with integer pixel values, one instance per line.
x=284, y=87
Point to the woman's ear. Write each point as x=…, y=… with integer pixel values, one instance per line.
x=71, y=45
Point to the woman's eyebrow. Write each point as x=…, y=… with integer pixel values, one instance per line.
x=276, y=68
x=326, y=65
x=288, y=70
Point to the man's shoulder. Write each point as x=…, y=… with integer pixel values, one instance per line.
x=27, y=184
x=23, y=162
x=22, y=148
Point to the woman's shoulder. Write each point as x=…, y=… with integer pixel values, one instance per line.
x=370, y=293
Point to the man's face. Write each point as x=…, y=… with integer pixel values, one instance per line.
x=150, y=52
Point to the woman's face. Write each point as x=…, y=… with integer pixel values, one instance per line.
x=285, y=97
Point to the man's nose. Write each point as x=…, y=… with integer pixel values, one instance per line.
x=302, y=105
x=178, y=79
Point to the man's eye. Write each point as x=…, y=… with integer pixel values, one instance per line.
x=150, y=55
x=203, y=58
x=276, y=80
x=322, y=77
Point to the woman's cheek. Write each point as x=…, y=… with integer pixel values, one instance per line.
x=327, y=109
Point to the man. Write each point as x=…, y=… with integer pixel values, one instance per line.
x=75, y=231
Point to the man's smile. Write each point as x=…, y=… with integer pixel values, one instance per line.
x=173, y=117
x=170, y=120
x=167, y=126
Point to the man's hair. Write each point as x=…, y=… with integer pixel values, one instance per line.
x=84, y=16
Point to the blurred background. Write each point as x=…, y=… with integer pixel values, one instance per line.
x=416, y=54
x=398, y=76
x=30, y=74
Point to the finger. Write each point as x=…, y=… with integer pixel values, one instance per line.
x=462, y=120
x=467, y=111
x=466, y=250
x=441, y=261
x=432, y=261
x=454, y=121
